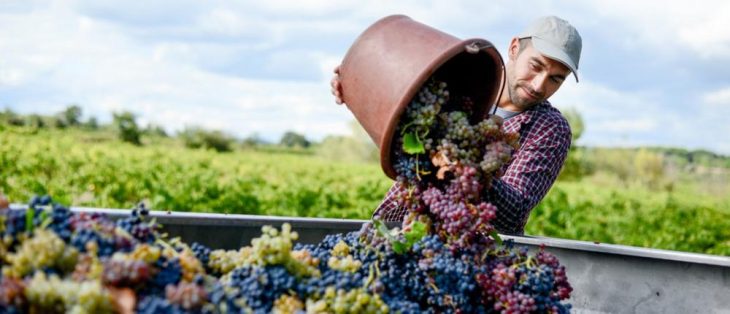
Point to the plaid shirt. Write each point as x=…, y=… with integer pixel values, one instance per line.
x=544, y=142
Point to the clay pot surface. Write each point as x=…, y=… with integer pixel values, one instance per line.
x=390, y=61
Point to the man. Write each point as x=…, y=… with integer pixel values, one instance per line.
x=539, y=60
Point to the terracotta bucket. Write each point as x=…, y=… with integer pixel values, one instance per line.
x=390, y=61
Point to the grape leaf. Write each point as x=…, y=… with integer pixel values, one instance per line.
x=383, y=230
x=417, y=232
x=496, y=237
x=399, y=247
x=412, y=145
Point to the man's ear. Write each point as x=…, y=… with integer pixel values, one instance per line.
x=514, y=48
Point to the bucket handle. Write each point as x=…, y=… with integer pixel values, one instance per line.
x=475, y=46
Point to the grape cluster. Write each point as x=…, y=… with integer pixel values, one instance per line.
x=358, y=272
x=519, y=283
x=125, y=273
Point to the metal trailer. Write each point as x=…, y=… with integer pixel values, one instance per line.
x=606, y=278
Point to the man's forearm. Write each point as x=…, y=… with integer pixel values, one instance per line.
x=512, y=207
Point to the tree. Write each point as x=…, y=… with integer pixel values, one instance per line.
x=59, y=121
x=155, y=129
x=71, y=115
x=92, y=124
x=127, y=127
x=575, y=165
x=218, y=141
x=196, y=137
x=9, y=117
x=575, y=120
x=252, y=141
x=36, y=121
x=292, y=139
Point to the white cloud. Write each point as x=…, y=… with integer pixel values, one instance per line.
x=613, y=117
x=718, y=98
x=661, y=27
x=223, y=21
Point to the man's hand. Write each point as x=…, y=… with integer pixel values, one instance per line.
x=336, y=86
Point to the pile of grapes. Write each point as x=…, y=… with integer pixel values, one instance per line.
x=445, y=258
x=446, y=163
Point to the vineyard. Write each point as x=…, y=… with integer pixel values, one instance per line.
x=94, y=169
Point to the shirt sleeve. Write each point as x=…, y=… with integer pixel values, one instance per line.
x=388, y=210
x=530, y=175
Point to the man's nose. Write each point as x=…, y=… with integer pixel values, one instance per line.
x=538, y=83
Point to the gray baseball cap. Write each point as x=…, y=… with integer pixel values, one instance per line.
x=557, y=39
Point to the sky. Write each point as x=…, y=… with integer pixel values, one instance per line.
x=651, y=72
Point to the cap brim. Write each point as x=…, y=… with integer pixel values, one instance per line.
x=555, y=53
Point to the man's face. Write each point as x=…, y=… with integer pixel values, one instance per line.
x=531, y=76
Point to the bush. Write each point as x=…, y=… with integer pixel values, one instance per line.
x=253, y=141
x=91, y=124
x=127, y=127
x=35, y=121
x=71, y=116
x=155, y=130
x=195, y=137
x=576, y=165
x=9, y=117
x=346, y=148
x=649, y=168
x=356, y=147
x=293, y=139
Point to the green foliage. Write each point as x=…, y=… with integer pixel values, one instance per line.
x=195, y=137
x=71, y=116
x=35, y=121
x=82, y=171
x=402, y=241
x=9, y=117
x=91, y=124
x=649, y=168
x=412, y=144
x=576, y=165
x=575, y=120
x=155, y=130
x=354, y=148
x=126, y=126
x=346, y=148
x=95, y=169
x=293, y=139
x=252, y=141
x=636, y=216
